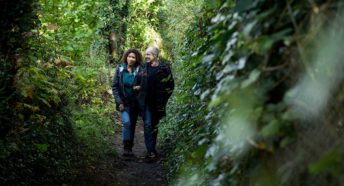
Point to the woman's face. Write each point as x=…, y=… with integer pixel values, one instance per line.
x=131, y=59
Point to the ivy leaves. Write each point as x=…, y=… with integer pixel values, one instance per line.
x=242, y=53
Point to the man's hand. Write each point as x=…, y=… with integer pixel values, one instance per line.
x=137, y=88
x=121, y=107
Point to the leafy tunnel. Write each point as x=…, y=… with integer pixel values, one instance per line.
x=258, y=99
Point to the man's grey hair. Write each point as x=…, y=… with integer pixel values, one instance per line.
x=153, y=50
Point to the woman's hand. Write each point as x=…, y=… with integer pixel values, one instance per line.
x=137, y=88
x=121, y=107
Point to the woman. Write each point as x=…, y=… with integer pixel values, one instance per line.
x=125, y=93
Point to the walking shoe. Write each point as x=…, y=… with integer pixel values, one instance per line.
x=131, y=154
x=127, y=153
x=151, y=155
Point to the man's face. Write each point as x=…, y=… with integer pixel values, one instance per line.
x=149, y=57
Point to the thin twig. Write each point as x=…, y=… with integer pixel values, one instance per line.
x=299, y=47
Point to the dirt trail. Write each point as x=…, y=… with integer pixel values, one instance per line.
x=119, y=171
x=137, y=171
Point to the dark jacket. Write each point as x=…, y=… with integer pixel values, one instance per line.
x=118, y=88
x=164, y=89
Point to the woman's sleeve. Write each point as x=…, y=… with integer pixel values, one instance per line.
x=138, y=78
x=116, y=88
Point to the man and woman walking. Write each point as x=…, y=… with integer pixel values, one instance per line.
x=142, y=88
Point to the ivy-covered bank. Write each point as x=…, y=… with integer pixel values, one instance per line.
x=259, y=96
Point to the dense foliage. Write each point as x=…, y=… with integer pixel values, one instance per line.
x=142, y=24
x=237, y=116
x=55, y=105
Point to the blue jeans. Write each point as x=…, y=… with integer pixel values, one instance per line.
x=150, y=129
x=129, y=118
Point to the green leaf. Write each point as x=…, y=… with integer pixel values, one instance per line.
x=243, y=5
x=254, y=75
x=329, y=161
x=42, y=147
x=199, y=153
x=271, y=129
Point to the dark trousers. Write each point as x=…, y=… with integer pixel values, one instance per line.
x=150, y=121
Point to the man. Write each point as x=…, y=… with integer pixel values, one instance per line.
x=156, y=85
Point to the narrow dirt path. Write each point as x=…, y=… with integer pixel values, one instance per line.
x=115, y=170
x=137, y=171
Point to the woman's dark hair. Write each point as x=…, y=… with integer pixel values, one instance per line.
x=137, y=54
